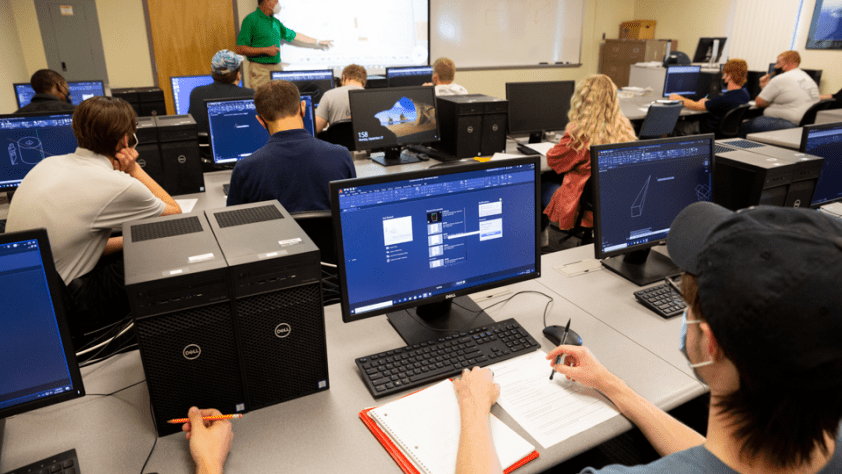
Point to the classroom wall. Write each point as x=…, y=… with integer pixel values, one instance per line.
x=14, y=66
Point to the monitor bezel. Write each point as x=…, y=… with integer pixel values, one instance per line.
x=392, y=68
x=565, y=119
x=597, y=215
x=353, y=93
x=702, y=40
x=667, y=72
x=805, y=131
x=304, y=71
x=11, y=189
x=335, y=186
x=55, y=287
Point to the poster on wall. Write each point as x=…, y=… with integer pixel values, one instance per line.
x=826, y=27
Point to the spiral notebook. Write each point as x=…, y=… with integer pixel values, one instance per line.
x=421, y=432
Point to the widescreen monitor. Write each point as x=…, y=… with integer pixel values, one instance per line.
x=182, y=86
x=410, y=244
x=537, y=107
x=409, y=76
x=639, y=188
x=315, y=82
x=681, y=80
x=709, y=50
x=825, y=140
x=815, y=74
x=29, y=138
x=79, y=91
x=235, y=132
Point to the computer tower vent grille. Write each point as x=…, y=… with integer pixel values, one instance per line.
x=744, y=144
x=773, y=196
x=717, y=149
x=163, y=229
x=284, y=349
x=247, y=216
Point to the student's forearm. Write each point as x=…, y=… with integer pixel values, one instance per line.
x=476, y=449
x=157, y=190
x=114, y=244
x=251, y=51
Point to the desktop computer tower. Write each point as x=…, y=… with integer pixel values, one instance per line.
x=472, y=125
x=277, y=306
x=146, y=101
x=742, y=179
x=179, y=295
x=149, y=155
x=129, y=94
x=805, y=171
x=179, y=143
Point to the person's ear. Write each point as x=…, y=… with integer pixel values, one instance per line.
x=435, y=78
x=303, y=108
x=261, y=121
x=710, y=345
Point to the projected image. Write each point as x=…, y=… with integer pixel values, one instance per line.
x=826, y=27
x=407, y=118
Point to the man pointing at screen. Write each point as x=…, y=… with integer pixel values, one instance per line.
x=260, y=41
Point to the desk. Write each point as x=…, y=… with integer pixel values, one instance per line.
x=829, y=116
x=788, y=138
x=636, y=108
x=322, y=432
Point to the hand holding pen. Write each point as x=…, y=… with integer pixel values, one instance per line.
x=563, y=341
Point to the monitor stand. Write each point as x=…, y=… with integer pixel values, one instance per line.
x=642, y=267
x=392, y=156
x=437, y=320
x=536, y=137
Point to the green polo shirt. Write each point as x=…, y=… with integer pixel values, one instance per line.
x=259, y=31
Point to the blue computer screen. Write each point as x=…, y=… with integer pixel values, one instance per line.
x=32, y=358
x=409, y=76
x=682, y=80
x=182, y=86
x=28, y=139
x=315, y=83
x=643, y=186
x=827, y=143
x=410, y=239
x=79, y=91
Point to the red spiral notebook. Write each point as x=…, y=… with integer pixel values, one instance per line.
x=421, y=432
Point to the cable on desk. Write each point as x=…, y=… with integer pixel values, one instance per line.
x=112, y=328
x=120, y=350
x=153, y=444
x=115, y=391
x=546, y=307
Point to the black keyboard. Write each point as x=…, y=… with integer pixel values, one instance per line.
x=64, y=463
x=662, y=299
x=393, y=371
x=225, y=188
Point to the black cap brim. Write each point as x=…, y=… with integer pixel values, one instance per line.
x=690, y=230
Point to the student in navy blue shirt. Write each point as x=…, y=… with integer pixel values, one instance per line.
x=734, y=75
x=293, y=167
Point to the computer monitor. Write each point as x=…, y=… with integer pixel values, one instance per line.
x=409, y=76
x=182, y=86
x=38, y=365
x=315, y=82
x=387, y=119
x=537, y=107
x=79, y=91
x=709, y=50
x=825, y=140
x=681, y=80
x=639, y=188
x=235, y=132
x=413, y=244
x=29, y=138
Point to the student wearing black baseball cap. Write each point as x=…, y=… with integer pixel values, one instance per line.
x=763, y=329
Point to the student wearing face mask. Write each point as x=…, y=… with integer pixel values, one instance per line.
x=293, y=167
x=734, y=75
x=52, y=94
x=260, y=41
x=79, y=198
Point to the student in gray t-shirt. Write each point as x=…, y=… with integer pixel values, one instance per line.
x=335, y=105
x=762, y=329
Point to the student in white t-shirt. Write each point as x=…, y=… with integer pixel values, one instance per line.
x=444, y=70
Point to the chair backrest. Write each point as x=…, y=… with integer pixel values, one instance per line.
x=809, y=117
x=339, y=133
x=660, y=120
x=729, y=127
x=318, y=225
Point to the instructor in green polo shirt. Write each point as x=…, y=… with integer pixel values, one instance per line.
x=260, y=41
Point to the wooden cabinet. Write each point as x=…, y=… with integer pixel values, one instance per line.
x=615, y=56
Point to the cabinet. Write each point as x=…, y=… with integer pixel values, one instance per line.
x=615, y=56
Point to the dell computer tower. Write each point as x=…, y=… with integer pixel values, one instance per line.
x=151, y=101
x=149, y=155
x=472, y=125
x=275, y=275
x=178, y=286
x=742, y=179
x=179, y=144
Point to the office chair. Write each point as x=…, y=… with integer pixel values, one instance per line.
x=339, y=133
x=729, y=127
x=809, y=117
x=584, y=234
x=660, y=120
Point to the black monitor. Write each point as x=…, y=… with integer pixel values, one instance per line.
x=79, y=91
x=315, y=82
x=538, y=107
x=639, y=188
x=409, y=76
x=825, y=140
x=234, y=131
x=709, y=50
x=681, y=80
x=29, y=138
x=389, y=118
x=413, y=244
x=37, y=361
x=182, y=86
x=815, y=74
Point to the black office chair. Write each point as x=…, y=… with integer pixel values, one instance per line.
x=729, y=127
x=339, y=133
x=660, y=120
x=584, y=234
x=318, y=225
x=809, y=117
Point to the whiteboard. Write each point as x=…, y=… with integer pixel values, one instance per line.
x=505, y=33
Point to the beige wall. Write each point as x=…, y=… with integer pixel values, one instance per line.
x=14, y=67
x=125, y=43
x=29, y=35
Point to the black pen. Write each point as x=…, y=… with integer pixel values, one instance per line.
x=563, y=341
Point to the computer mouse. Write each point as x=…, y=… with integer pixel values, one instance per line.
x=555, y=333
x=423, y=156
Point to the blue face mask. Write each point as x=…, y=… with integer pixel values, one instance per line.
x=682, y=345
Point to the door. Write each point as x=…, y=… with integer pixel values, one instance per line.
x=72, y=40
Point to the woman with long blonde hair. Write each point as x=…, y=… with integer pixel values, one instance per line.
x=595, y=119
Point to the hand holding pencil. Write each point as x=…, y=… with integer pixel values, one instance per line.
x=210, y=441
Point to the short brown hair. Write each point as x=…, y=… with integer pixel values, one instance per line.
x=791, y=57
x=356, y=73
x=99, y=124
x=445, y=69
x=276, y=100
x=44, y=79
x=737, y=69
x=226, y=78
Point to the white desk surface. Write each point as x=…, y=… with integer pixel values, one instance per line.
x=788, y=138
x=829, y=116
x=633, y=107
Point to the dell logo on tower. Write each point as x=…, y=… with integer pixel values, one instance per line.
x=182, y=159
x=282, y=330
x=797, y=203
x=191, y=352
